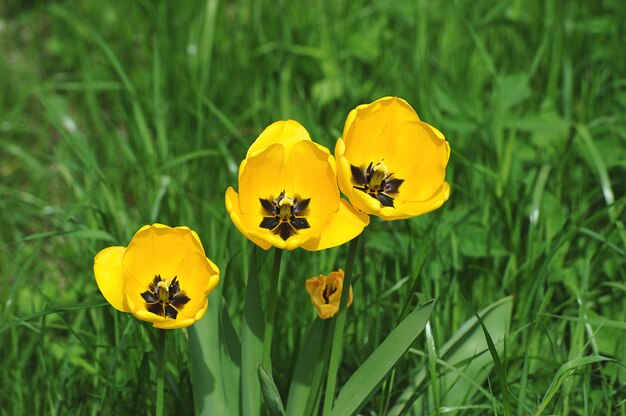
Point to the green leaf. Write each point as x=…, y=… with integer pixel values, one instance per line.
x=466, y=357
x=252, y=342
x=306, y=387
x=366, y=379
x=273, y=403
x=214, y=359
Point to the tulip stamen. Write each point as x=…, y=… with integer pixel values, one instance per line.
x=329, y=290
x=285, y=215
x=377, y=182
x=164, y=297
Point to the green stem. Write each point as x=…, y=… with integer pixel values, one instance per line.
x=160, y=386
x=271, y=311
x=336, y=349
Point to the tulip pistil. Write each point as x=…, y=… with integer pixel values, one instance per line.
x=377, y=182
x=164, y=297
x=285, y=215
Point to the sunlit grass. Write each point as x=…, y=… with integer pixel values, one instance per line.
x=118, y=114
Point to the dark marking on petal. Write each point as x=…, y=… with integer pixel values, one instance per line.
x=269, y=222
x=369, y=172
x=149, y=297
x=170, y=312
x=152, y=286
x=285, y=230
x=391, y=185
x=358, y=175
x=268, y=206
x=155, y=308
x=299, y=223
x=300, y=206
x=385, y=200
x=180, y=300
x=174, y=287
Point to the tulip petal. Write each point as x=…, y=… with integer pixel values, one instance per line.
x=341, y=227
x=110, y=276
x=264, y=175
x=311, y=167
x=426, y=177
x=405, y=146
x=407, y=209
x=197, y=279
x=156, y=250
x=232, y=207
x=193, y=237
x=284, y=132
x=364, y=128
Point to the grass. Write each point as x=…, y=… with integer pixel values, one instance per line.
x=118, y=114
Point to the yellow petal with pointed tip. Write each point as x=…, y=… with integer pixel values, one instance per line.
x=284, y=132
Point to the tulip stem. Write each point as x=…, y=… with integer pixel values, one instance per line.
x=336, y=349
x=160, y=385
x=271, y=311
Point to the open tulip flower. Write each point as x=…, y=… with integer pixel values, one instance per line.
x=288, y=195
x=163, y=276
x=392, y=164
x=325, y=292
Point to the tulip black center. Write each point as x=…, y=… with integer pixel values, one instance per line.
x=285, y=215
x=164, y=298
x=377, y=182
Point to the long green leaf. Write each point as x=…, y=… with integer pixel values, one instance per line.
x=366, y=379
x=214, y=366
x=273, y=403
x=252, y=342
x=307, y=375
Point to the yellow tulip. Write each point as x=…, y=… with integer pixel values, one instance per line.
x=163, y=276
x=325, y=292
x=390, y=163
x=288, y=195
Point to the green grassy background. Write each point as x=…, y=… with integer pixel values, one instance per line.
x=117, y=114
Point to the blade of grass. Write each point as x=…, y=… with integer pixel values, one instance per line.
x=498, y=364
x=566, y=371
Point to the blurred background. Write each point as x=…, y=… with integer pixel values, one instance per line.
x=118, y=114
